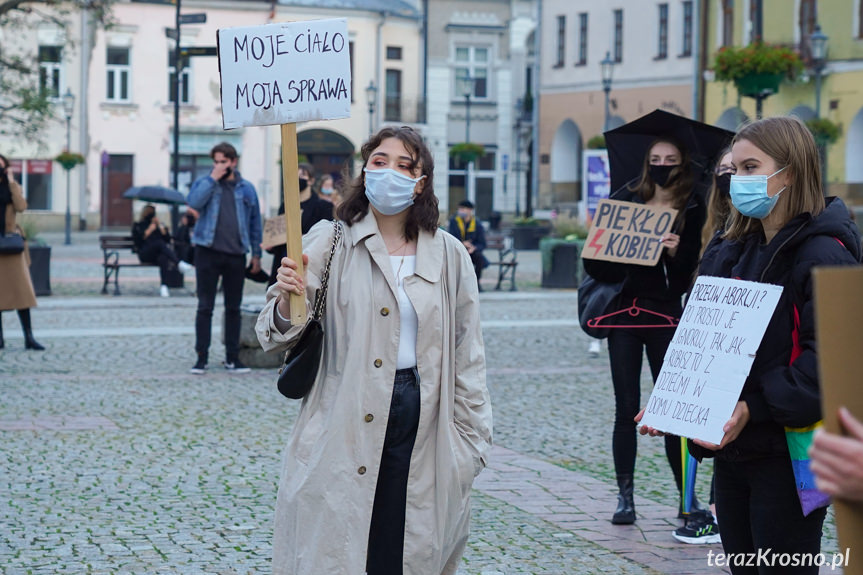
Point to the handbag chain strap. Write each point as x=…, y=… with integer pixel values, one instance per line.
x=321, y=298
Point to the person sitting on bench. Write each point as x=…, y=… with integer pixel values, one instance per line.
x=471, y=233
x=152, y=239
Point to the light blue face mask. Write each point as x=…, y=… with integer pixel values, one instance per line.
x=749, y=195
x=388, y=191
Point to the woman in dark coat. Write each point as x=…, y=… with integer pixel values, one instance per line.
x=17, y=291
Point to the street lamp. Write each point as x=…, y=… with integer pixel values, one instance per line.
x=467, y=90
x=818, y=50
x=607, y=70
x=371, y=96
x=68, y=108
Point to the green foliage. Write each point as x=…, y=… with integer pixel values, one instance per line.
x=597, y=142
x=69, y=159
x=467, y=152
x=30, y=230
x=824, y=131
x=524, y=221
x=733, y=62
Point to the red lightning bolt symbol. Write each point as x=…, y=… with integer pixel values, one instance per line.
x=593, y=243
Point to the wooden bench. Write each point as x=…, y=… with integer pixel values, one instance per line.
x=507, y=259
x=111, y=248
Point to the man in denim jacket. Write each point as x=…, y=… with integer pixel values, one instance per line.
x=229, y=225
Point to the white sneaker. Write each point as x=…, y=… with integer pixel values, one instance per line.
x=186, y=268
x=593, y=350
x=163, y=291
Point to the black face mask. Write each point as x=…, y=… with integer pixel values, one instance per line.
x=723, y=185
x=661, y=174
x=304, y=183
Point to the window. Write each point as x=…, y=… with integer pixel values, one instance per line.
x=394, y=52
x=687, y=29
x=755, y=12
x=471, y=71
x=50, y=71
x=860, y=19
x=618, y=35
x=184, y=80
x=561, y=41
x=808, y=16
x=118, y=75
x=662, y=48
x=35, y=179
x=393, y=104
x=727, y=22
x=582, y=39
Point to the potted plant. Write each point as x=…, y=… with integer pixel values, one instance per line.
x=526, y=233
x=69, y=159
x=467, y=152
x=40, y=257
x=824, y=131
x=597, y=142
x=757, y=69
x=561, y=264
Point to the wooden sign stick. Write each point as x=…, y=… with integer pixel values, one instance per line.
x=293, y=225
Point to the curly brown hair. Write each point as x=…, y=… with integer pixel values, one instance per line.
x=423, y=214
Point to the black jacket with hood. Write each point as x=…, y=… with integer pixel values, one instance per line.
x=783, y=388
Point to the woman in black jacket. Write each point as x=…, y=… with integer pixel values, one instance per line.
x=665, y=182
x=782, y=227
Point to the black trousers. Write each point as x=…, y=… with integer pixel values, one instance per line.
x=210, y=266
x=387, y=533
x=759, y=509
x=162, y=254
x=626, y=348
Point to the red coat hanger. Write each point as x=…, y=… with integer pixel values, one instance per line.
x=634, y=311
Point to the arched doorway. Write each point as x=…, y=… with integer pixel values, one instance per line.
x=566, y=164
x=853, y=153
x=328, y=151
x=732, y=119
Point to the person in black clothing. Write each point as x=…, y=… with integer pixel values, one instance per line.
x=183, y=236
x=153, y=245
x=471, y=233
x=782, y=228
x=665, y=182
x=313, y=209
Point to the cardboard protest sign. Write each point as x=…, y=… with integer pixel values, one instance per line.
x=284, y=73
x=274, y=232
x=627, y=232
x=838, y=317
x=710, y=357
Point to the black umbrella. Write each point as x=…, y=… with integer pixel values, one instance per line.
x=155, y=194
x=628, y=144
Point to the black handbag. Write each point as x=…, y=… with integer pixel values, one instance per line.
x=11, y=244
x=302, y=361
x=596, y=299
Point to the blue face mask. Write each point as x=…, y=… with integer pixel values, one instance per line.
x=749, y=195
x=390, y=192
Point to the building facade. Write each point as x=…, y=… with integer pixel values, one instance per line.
x=729, y=22
x=651, y=46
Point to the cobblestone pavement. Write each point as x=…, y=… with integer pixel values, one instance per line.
x=116, y=460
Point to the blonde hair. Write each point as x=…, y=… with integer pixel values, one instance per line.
x=790, y=144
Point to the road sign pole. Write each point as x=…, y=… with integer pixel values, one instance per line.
x=175, y=157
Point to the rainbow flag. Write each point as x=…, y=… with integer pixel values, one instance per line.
x=687, y=484
x=799, y=439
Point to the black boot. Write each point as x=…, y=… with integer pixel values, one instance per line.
x=1, y=331
x=29, y=341
x=625, y=512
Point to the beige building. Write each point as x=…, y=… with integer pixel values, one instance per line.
x=652, y=46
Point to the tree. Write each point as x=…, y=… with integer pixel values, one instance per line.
x=25, y=108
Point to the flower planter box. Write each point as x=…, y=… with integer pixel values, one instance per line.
x=561, y=264
x=758, y=85
x=40, y=269
x=527, y=237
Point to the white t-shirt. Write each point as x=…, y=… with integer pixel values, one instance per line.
x=404, y=266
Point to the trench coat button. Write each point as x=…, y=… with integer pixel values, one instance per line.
x=385, y=311
x=362, y=470
x=378, y=363
x=369, y=418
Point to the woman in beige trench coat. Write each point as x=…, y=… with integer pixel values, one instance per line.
x=17, y=288
x=353, y=499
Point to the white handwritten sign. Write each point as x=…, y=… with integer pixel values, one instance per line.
x=710, y=357
x=627, y=232
x=285, y=73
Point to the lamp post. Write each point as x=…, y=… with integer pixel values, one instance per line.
x=818, y=50
x=68, y=108
x=371, y=96
x=607, y=70
x=467, y=89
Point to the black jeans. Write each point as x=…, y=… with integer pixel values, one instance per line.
x=162, y=254
x=759, y=509
x=387, y=532
x=626, y=348
x=210, y=265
